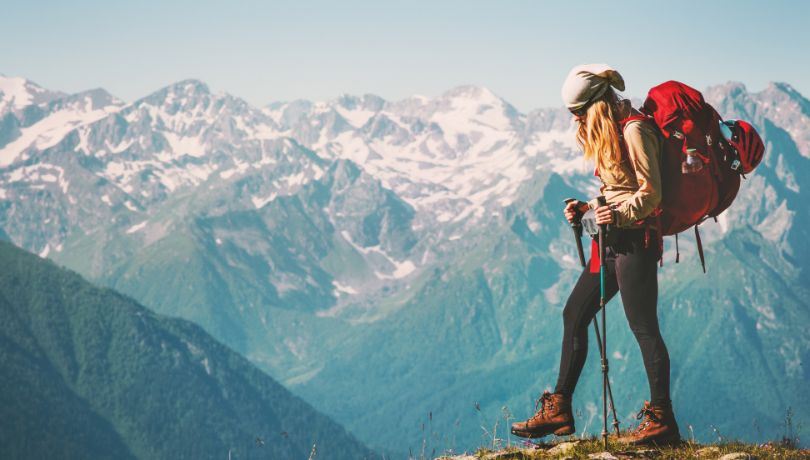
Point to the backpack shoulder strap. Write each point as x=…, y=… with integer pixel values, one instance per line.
x=627, y=120
x=623, y=124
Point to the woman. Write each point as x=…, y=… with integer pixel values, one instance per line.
x=626, y=150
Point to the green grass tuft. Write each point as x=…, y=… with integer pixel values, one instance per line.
x=585, y=447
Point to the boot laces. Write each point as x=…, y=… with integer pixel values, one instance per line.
x=648, y=414
x=542, y=403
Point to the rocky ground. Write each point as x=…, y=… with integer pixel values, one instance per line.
x=593, y=449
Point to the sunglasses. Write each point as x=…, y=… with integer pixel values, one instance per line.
x=580, y=112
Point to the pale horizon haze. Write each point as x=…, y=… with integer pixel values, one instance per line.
x=283, y=50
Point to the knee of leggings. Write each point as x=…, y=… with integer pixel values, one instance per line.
x=569, y=314
x=646, y=333
x=580, y=341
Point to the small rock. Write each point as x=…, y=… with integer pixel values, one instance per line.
x=562, y=448
x=708, y=452
x=638, y=453
x=738, y=456
x=603, y=456
x=521, y=453
x=531, y=445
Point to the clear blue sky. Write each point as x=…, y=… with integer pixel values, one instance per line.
x=266, y=51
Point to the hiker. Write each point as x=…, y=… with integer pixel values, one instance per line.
x=627, y=159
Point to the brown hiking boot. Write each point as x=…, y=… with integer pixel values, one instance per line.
x=554, y=416
x=657, y=427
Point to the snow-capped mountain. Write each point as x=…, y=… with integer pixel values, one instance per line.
x=18, y=93
x=43, y=126
x=463, y=154
x=418, y=243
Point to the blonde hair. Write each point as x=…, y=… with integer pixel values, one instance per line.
x=598, y=134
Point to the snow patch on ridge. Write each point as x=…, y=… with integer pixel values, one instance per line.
x=400, y=269
x=17, y=93
x=136, y=227
x=239, y=168
x=49, y=131
x=43, y=172
x=777, y=223
x=342, y=288
x=185, y=145
x=14, y=92
x=260, y=202
x=356, y=118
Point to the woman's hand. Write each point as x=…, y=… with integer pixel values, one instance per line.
x=574, y=209
x=604, y=215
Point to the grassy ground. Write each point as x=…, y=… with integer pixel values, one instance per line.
x=591, y=448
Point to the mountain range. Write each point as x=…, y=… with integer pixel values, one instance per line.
x=404, y=264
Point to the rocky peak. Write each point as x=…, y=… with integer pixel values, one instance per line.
x=16, y=93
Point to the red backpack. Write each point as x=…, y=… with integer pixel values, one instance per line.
x=702, y=158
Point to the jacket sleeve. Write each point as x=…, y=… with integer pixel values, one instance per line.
x=644, y=149
x=594, y=202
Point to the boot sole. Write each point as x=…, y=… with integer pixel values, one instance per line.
x=665, y=441
x=564, y=430
x=673, y=441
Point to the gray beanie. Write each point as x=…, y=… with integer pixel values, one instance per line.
x=588, y=82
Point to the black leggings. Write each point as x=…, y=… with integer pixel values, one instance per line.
x=632, y=270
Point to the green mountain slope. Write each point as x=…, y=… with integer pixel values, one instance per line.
x=41, y=416
x=88, y=373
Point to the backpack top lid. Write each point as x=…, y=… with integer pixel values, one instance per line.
x=671, y=103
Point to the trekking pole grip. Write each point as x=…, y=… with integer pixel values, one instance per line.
x=577, y=212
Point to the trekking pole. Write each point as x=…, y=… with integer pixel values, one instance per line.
x=602, y=229
x=609, y=390
x=576, y=226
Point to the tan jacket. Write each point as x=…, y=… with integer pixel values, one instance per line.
x=634, y=185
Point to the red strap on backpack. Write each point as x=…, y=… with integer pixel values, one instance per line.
x=623, y=122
